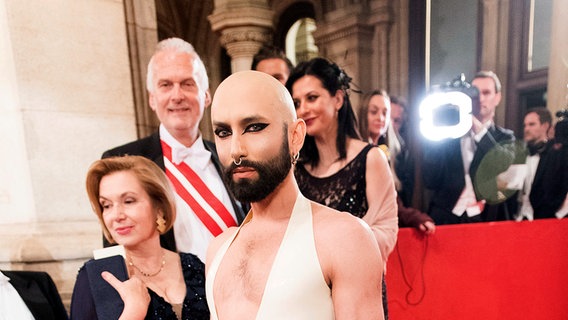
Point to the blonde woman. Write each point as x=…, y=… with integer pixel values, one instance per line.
x=375, y=126
x=133, y=200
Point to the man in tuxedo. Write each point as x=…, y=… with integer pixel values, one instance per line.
x=178, y=89
x=544, y=186
x=462, y=172
x=29, y=295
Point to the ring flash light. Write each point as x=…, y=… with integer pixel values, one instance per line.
x=448, y=111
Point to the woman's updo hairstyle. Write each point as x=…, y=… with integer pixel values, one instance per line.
x=333, y=78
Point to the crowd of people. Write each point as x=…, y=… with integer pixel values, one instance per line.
x=293, y=210
x=485, y=175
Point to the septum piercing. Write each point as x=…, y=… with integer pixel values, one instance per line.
x=238, y=163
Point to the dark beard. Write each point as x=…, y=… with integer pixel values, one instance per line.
x=270, y=174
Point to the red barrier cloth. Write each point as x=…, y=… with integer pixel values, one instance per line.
x=496, y=270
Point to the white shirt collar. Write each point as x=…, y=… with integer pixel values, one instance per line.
x=200, y=157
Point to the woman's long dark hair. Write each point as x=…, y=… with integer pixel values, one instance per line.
x=332, y=78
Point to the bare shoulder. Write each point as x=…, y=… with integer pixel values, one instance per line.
x=377, y=163
x=376, y=155
x=217, y=242
x=335, y=226
x=355, y=145
x=342, y=241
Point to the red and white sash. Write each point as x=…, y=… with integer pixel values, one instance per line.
x=206, y=206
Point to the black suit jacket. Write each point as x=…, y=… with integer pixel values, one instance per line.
x=151, y=148
x=443, y=172
x=550, y=183
x=39, y=294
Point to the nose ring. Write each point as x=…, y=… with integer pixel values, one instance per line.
x=238, y=163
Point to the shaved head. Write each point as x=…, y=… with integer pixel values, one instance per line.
x=253, y=88
x=257, y=134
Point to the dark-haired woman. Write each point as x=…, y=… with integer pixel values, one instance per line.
x=336, y=168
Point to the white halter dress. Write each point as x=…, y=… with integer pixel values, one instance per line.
x=296, y=288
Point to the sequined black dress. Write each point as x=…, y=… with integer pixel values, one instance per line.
x=343, y=191
x=194, y=305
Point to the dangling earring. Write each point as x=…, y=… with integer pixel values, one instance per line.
x=295, y=158
x=161, y=224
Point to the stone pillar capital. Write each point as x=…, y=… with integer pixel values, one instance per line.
x=236, y=15
x=244, y=28
x=244, y=41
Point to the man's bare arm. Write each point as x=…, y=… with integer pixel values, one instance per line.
x=353, y=266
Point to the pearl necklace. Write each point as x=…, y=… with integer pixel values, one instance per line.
x=130, y=263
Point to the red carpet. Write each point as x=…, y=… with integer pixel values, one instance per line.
x=498, y=270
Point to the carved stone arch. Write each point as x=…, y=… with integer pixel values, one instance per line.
x=187, y=19
x=280, y=6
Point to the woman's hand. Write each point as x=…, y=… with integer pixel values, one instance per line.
x=428, y=227
x=133, y=292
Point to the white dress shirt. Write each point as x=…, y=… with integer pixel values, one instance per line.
x=467, y=202
x=191, y=235
x=12, y=306
x=563, y=211
x=527, y=210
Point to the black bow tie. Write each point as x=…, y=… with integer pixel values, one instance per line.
x=537, y=147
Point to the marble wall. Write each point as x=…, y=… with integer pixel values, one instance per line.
x=65, y=97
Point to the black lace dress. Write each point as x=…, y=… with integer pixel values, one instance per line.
x=345, y=190
x=194, y=305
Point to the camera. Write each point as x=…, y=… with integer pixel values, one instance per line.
x=448, y=110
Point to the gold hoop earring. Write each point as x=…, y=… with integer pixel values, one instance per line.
x=295, y=158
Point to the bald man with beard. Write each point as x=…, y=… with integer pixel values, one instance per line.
x=291, y=258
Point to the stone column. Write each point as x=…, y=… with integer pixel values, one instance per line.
x=142, y=33
x=349, y=45
x=356, y=37
x=398, y=79
x=245, y=26
x=558, y=66
x=495, y=53
x=381, y=20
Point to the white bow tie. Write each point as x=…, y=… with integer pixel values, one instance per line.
x=200, y=156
